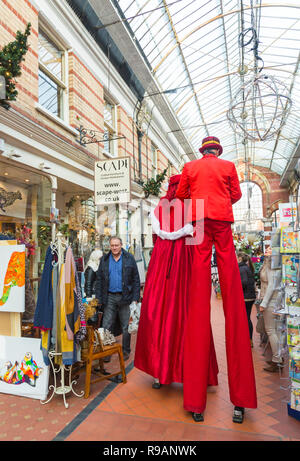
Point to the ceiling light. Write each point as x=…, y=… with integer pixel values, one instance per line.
x=260, y=108
x=6, y=174
x=27, y=180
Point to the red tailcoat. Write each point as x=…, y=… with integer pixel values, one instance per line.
x=215, y=181
x=160, y=338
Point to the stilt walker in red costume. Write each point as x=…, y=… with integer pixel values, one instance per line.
x=160, y=338
x=215, y=182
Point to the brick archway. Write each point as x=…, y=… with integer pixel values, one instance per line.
x=269, y=183
x=274, y=206
x=254, y=176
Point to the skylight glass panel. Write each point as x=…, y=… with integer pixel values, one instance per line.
x=190, y=42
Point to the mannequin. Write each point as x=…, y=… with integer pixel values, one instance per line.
x=90, y=273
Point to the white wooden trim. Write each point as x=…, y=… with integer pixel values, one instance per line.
x=56, y=119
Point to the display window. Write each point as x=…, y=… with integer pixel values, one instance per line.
x=25, y=202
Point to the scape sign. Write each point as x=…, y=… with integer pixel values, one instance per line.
x=112, y=181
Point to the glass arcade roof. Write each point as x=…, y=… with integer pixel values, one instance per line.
x=192, y=46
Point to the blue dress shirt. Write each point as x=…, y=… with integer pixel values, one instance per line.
x=115, y=274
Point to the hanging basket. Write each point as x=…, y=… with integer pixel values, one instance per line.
x=260, y=108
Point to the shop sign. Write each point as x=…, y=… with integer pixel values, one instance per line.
x=285, y=212
x=112, y=181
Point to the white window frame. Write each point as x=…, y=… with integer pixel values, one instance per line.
x=112, y=128
x=64, y=83
x=154, y=159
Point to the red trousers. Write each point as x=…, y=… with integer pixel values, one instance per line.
x=197, y=345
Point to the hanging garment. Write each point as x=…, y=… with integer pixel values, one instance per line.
x=28, y=315
x=162, y=325
x=68, y=318
x=43, y=315
x=48, y=337
x=81, y=334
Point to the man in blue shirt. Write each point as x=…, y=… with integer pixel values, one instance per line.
x=117, y=286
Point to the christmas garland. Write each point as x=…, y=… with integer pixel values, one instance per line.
x=11, y=57
x=152, y=186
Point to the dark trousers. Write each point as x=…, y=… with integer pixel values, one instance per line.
x=249, y=305
x=111, y=310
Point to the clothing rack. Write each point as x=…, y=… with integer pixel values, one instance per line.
x=58, y=247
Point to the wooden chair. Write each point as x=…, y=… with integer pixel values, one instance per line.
x=97, y=351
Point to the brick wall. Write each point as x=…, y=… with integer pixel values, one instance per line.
x=269, y=182
x=85, y=92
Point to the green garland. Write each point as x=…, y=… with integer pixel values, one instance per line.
x=11, y=57
x=152, y=186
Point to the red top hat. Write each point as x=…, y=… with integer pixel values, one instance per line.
x=211, y=143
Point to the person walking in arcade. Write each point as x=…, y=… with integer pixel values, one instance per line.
x=215, y=182
x=162, y=325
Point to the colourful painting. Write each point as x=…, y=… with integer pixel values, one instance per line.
x=295, y=396
x=293, y=331
x=292, y=301
x=12, y=278
x=290, y=267
x=22, y=369
x=294, y=363
x=289, y=242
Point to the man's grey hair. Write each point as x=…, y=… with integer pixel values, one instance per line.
x=115, y=237
x=210, y=151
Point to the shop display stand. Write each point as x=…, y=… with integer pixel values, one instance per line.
x=58, y=247
x=291, y=313
x=64, y=388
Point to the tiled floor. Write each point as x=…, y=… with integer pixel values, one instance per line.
x=135, y=411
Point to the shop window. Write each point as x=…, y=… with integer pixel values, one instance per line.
x=248, y=211
x=153, y=161
x=109, y=135
x=25, y=216
x=52, y=76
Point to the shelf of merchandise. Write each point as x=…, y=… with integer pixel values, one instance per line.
x=290, y=308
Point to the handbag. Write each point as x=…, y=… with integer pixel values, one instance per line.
x=135, y=312
x=260, y=324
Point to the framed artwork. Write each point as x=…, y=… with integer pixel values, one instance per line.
x=18, y=197
x=292, y=301
x=295, y=395
x=290, y=269
x=289, y=242
x=9, y=227
x=12, y=278
x=22, y=369
x=294, y=364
